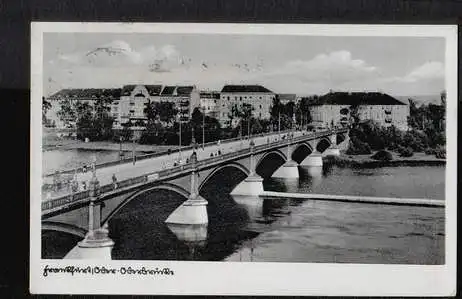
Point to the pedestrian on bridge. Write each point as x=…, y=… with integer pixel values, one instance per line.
x=114, y=180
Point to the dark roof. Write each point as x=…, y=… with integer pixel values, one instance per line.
x=168, y=90
x=357, y=98
x=184, y=90
x=154, y=90
x=87, y=93
x=245, y=88
x=127, y=89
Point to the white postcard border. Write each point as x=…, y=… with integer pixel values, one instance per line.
x=241, y=278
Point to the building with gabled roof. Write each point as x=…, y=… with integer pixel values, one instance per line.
x=185, y=98
x=257, y=96
x=337, y=109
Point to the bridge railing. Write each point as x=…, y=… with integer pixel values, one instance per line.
x=154, y=155
x=66, y=199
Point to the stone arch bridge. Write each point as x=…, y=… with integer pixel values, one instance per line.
x=86, y=214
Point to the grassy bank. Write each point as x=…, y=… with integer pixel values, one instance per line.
x=418, y=159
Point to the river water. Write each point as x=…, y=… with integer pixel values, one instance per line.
x=286, y=230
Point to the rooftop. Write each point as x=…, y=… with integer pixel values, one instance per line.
x=357, y=98
x=168, y=90
x=154, y=90
x=87, y=93
x=245, y=88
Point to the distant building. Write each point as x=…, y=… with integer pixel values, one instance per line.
x=185, y=98
x=86, y=95
x=259, y=97
x=336, y=108
x=287, y=98
x=133, y=100
x=210, y=103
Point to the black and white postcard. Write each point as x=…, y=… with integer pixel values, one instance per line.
x=243, y=159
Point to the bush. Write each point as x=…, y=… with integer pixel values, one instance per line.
x=406, y=152
x=440, y=152
x=357, y=147
x=382, y=156
x=430, y=151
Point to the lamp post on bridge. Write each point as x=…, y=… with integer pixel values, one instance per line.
x=96, y=243
x=203, y=129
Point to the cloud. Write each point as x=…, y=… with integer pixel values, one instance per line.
x=333, y=68
x=119, y=53
x=431, y=70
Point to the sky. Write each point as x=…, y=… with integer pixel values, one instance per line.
x=399, y=66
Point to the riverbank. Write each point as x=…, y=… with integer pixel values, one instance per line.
x=418, y=159
x=68, y=144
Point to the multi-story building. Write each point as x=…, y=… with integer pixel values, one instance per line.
x=185, y=98
x=337, y=109
x=133, y=100
x=209, y=103
x=78, y=95
x=259, y=97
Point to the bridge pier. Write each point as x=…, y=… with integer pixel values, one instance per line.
x=334, y=150
x=194, y=209
x=312, y=164
x=96, y=244
x=288, y=170
x=253, y=183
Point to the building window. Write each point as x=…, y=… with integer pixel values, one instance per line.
x=215, y=101
x=260, y=106
x=240, y=98
x=228, y=98
x=260, y=98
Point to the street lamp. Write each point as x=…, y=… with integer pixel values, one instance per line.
x=180, y=136
x=203, y=128
x=133, y=150
x=279, y=124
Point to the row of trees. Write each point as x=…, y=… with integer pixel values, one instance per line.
x=426, y=132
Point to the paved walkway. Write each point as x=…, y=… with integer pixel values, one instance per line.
x=128, y=170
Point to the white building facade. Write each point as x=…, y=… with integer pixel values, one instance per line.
x=260, y=98
x=336, y=109
x=210, y=103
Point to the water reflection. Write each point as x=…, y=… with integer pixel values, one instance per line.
x=250, y=228
x=252, y=204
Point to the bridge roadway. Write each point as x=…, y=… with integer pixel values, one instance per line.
x=129, y=170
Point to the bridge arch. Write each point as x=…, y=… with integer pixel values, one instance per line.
x=63, y=228
x=163, y=186
x=217, y=169
x=301, y=151
x=261, y=166
x=277, y=152
x=323, y=144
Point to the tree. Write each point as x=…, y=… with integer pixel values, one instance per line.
x=46, y=105
x=302, y=111
x=67, y=111
x=161, y=111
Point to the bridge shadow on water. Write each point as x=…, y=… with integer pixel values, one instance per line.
x=55, y=244
x=140, y=232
